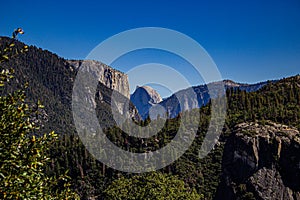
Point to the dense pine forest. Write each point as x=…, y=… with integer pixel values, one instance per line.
x=50, y=80
x=278, y=102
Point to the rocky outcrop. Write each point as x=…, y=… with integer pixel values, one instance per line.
x=112, y=101
x=111, y=78
x=244, y=86
x=262, y=161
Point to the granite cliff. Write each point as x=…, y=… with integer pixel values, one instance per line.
x=111, y=78
x=144, y=98
x=261, y=161
x=190, y=98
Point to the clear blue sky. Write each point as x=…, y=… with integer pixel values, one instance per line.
x=250, y=41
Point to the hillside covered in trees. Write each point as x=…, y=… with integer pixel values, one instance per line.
x=50, y=80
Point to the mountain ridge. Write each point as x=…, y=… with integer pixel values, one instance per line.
x=51, y=80
x=173, y=107
x=255, y=153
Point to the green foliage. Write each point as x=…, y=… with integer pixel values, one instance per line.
x=51, y=80
x=9, y=51
x=243, y=194
x=278, y=102
x=89, y=176
x=201, y=174
x=23, y=156
x=154, y=186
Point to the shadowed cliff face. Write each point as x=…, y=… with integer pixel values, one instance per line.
x=144, y=98
x=262, y=161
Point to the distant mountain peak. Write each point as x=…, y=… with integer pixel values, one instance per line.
x=155, y=96
x=144, y=97
x=231, y=83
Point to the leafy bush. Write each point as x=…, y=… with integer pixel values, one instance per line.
x=23, y=154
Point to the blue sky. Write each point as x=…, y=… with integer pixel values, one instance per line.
x=250, y=41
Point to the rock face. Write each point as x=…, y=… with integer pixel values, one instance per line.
x=112, y=95
x=186, y=99
x=243, y=86
x=195, y=97
x=262, y=162
x=144, y=98
x=109, y=77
